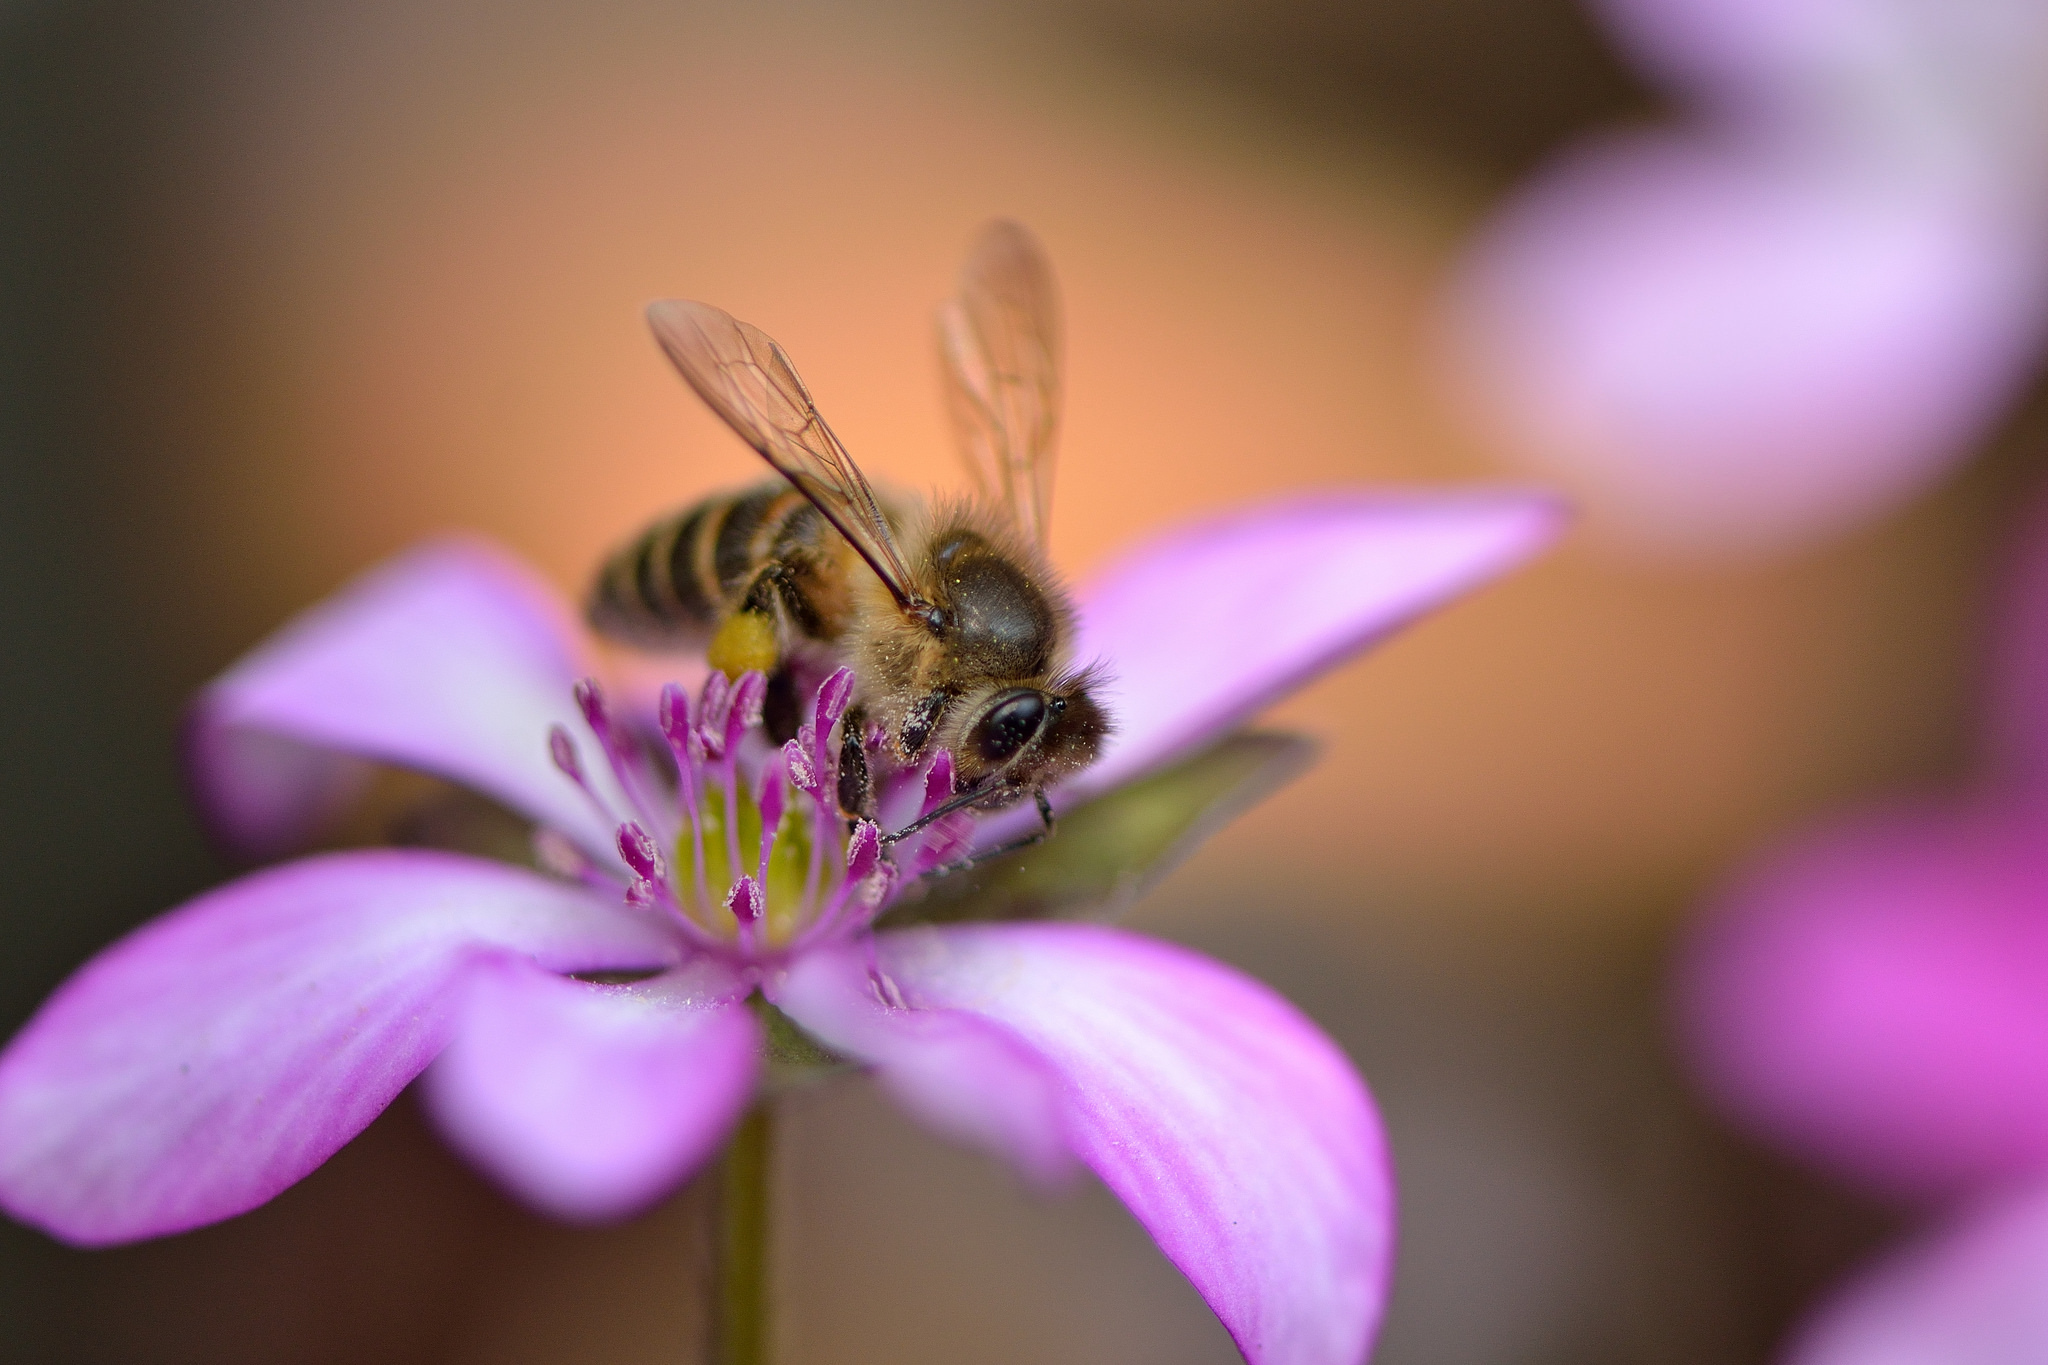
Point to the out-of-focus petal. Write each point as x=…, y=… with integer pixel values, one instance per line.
x=217, y=1055
x=1751, y=50
x=1875, y=998
x=1975, y=1293
x=593, y=1101
x=1234, y=1130
x=1728, y=347
x=452, y=659
x=1202, y=628
x=1968, y=58
x=964, y=1077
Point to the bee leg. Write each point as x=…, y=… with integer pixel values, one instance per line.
x=748, y=640
x=1045, y=831
x=856, y=786
x=745, y=643
x=916, y=731
x=782, y=710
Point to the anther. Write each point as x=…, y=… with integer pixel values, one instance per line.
x=744, y=708
x=833, y=696
x=590, y=701
x=802, y=772
x=640, y=851
x=673, y=713
x=562, y=750
x=745, y=901
x=863, y=851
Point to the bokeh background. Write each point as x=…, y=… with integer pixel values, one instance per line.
x=288, y=284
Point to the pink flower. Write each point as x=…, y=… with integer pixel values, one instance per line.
x=1873, y=998
x=1796, y=311
x=590, y=1034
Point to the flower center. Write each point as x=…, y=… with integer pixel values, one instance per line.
x=739, y=843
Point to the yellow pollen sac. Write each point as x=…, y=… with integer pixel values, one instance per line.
x=745, y=643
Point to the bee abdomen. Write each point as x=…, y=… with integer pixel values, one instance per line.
x=653, y=589
x=674, y=584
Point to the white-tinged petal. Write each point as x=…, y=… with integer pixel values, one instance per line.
x=966, y=1078
x=1207, y=625
x=1973, y=1293
x=590, y=1102
x=1233, y=1129
x=216, y=1055
x=452, y=659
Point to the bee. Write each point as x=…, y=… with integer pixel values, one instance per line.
x=956, y=627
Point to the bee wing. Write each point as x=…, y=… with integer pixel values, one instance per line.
x=747, y=379
x=999, y=344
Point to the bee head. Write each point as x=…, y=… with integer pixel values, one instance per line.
x=1030, y=737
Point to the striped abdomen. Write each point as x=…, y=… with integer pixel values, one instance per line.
x=766, y=548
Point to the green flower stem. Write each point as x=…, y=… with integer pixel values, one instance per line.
x=740, y=1300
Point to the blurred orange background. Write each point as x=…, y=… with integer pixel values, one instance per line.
x=302, y=283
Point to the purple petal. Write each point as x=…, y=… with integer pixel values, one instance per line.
x=1738, y=47
x=1206, y=626
x=1232, y=1128
x=1976, y=1292
x=1875, y=999
x=216, y=1055
x=1736, y=347
x=591, y=1102
x=966, y=1078
x=1792, y=56
x=452, y=659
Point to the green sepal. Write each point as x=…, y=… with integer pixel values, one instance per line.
x=1106, y=853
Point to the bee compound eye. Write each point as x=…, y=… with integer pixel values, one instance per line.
x=1009, y=725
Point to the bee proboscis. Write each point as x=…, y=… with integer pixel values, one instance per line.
x=950, y=614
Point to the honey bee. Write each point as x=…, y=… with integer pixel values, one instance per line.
x=949, y=613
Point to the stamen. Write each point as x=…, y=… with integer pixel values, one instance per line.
x=590, y=701
x=716, y=700
x=747, y=696
x=673, y=716
x=833, y=696
x=768, y=798
x=758, y=827
x=863, y=852
x=562, y=750
x=801, y=771
x=628, y=763
x=746, y=901
x=641, y=853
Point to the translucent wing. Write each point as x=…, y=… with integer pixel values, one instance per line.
x=999, y=342
x=748, y=380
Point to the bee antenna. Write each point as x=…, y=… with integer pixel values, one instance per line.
x=966, y=796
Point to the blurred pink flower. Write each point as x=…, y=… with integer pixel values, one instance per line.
x=217, y=1055
x=1874, y=999
x=1796, y=311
